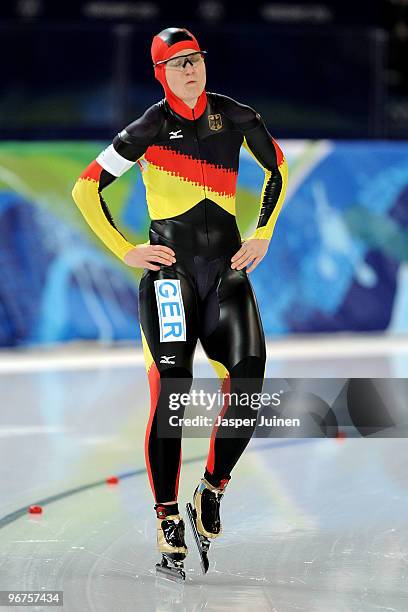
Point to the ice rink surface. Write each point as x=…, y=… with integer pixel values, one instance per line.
x=314, y=525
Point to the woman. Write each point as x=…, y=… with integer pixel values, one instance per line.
x=195, y=283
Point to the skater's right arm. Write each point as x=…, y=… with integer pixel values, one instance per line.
x=127, y=147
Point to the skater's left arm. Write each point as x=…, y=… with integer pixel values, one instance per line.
x=268, y=154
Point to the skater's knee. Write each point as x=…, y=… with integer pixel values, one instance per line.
x=177, y=372
x=175, y=380
x=249, y=367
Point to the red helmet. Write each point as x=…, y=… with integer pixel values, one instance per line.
x=164, y=45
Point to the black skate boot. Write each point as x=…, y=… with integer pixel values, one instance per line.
x=170, y=542
x=204, y=516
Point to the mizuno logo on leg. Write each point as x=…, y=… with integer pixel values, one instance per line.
x=167, y=359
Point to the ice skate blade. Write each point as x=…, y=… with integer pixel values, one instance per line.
x=175, y=574
x=202, y=543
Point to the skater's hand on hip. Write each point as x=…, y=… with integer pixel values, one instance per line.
x=253, y=250
x=146, y=255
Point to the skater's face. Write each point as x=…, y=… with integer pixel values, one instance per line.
x=185, y=78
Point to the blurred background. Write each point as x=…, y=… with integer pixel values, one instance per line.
x=331, y=82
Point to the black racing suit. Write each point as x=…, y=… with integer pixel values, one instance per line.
x=190, y=170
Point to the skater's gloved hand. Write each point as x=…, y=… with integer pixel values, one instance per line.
x=253, y=250
x=142, y=256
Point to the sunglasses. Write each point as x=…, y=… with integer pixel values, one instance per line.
x=180, y=62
